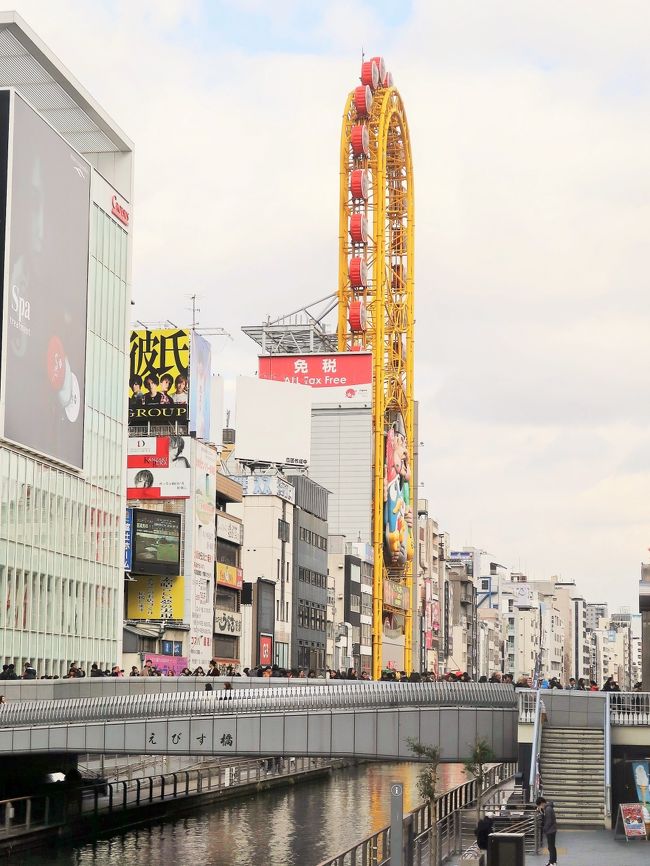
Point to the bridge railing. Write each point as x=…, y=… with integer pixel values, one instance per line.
x=625, y=708
x=374, y=850
x=207, y=703
x=629, y=708
x=527, y=704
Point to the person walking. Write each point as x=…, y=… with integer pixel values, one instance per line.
x=549, y=827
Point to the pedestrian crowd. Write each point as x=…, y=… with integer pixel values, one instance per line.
x=217, y=669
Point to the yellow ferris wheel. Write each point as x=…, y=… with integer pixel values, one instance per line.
x=376, y=313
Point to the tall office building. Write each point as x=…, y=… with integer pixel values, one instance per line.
x=66, y=184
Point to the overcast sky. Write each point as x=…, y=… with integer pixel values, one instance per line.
x=530, y=125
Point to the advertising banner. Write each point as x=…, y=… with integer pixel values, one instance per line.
x=266, y=485
x=159, y=377
x=266, y=649
x=201, y=390
x=158, y=467
x=273, y=422
x=155, y=597
x=156, y=546
x=204, y=474
x=227, y=622
x=398, y=509
x=128, y=537
x=45, y=298
x=641, y=773
x=164, y=663
x=393, y=625
x=229, y=575
x=344, y=377
x=395, y=594
x=229, y=530
x=631, y=815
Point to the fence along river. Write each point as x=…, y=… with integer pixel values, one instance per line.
x=299, y=825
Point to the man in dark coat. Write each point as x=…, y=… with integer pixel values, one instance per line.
x=549, y=827
x=483, y=830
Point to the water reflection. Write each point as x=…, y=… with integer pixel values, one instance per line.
x=301, y=824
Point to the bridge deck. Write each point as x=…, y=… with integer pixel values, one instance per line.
x=375, y=720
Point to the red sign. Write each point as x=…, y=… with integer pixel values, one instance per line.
x=119, y=211
x=266, y=649
x=349, y=371
x=633, y=820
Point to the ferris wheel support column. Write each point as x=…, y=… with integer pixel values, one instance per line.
x=410, y=402
x=376, y=313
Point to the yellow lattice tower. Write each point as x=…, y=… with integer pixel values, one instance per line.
x=376, y=312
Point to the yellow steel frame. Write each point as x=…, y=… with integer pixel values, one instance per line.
x=389, y=300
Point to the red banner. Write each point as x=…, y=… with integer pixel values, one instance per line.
x=347, y=370
x=266, y=649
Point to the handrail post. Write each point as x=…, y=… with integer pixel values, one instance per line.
x=46, y=815
x=28, y=813
x=137, y=792
x=532, y=776
x=608, y=757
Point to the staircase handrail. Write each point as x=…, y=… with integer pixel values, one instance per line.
x=534, y=755
x=608, y=756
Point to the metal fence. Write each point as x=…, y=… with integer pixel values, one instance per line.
x=374, y=850
x=22, y=815
x=372, y=695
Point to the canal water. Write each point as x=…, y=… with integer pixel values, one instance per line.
x=300, y=825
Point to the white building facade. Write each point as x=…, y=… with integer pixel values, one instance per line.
x=62, y=518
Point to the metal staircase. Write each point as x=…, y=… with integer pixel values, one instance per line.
x=572, y=762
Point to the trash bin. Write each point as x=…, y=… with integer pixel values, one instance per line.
x=506, y=849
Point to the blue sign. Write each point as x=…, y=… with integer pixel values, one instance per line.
x=128, y=540
x=200, y=386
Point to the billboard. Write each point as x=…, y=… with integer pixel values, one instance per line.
x=159, y=377
x=128, y=540
x=395, y=594
x=44, y=306
x=340, y=377
x=273, y=422
x=265, y=651
x=229, y=575
x=201, y=390
x=229, y=529
x=155, y=597
x=203, y=511
x=156, y=542
x=158, y=467
x=266, y=485
x=227, y=622
x=398, y=509
x=175, y=664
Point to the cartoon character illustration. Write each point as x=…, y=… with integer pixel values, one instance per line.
x=398, y=510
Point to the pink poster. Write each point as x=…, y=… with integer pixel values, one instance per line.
x=167, y=663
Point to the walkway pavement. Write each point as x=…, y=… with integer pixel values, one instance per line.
x=594, y=848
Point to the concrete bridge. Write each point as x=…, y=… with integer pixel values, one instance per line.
x=315, y=719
